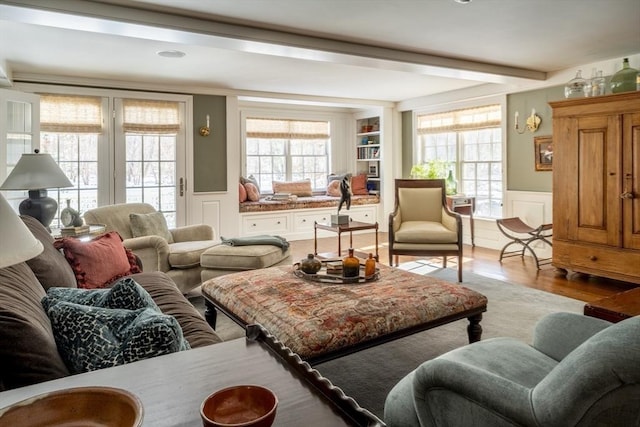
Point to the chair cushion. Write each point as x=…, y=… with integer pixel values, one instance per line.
x=225, y=257
x=424, y=232
x=187, y=254
x=420, y=204
x=28, y=354
x=150, y=224
x=50, y=267
x=89, y=259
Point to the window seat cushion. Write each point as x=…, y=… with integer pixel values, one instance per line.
x=318, y=201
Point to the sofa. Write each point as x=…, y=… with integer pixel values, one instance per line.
x=28, y=350
x=579, y=371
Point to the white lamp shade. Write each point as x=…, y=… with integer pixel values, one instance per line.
x=18, y=243
x=35, y=171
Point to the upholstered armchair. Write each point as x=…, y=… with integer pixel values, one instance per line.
x=421, y=224
x=579, y=371
x=144, y=230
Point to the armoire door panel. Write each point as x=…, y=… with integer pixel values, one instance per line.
x=630, y=196
x=595, y=135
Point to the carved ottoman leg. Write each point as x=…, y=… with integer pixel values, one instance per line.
x=474, y=330
x=210, y=314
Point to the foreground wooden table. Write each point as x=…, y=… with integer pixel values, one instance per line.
x=172, y=387
x=616, y=307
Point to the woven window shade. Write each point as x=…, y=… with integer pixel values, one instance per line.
x=157, y=117
x=287, y=129
x=73, y=114
x=459, y=120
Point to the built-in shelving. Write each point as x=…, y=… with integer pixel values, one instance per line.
x=369, y=151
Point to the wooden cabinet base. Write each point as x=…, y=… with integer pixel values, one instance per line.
x=613, y=263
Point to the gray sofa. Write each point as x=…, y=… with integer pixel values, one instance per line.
x=579, y=371
x=28, y=351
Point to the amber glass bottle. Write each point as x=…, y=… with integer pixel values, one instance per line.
x=350, y=265
x=370, y=266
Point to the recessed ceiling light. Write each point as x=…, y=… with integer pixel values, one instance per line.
x=171, y=53
x=463, y=1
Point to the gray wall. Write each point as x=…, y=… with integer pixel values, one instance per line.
x=521, y=171
x=210, y=152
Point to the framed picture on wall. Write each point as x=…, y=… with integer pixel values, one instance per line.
x=543, y=149
x=373, y=170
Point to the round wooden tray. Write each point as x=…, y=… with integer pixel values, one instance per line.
x=322, y=276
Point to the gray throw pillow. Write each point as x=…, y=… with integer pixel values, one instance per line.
x=50, y=267
x=150, y=224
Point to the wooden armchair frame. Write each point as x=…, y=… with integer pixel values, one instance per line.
x=438, y=249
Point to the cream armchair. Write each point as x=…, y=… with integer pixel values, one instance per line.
x=421, y=224
x=174, y=251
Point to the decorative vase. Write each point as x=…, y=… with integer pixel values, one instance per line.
x=70, y=217
x=451, y=186
x=575, y=88
x=310, y=264
x=370, y=266
x=350, y=265
x=624, y=80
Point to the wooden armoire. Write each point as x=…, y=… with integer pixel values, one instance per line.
x=596, y=185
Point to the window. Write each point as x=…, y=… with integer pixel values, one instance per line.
x=133, y=158
x=287, y=150
x=469, y=142
x=71, y=127
x=150, y=133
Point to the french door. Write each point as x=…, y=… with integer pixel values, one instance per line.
x=150, y=155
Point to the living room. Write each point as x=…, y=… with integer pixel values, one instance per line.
x=365, y=71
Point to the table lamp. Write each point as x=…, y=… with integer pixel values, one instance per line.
x=36, y=172
x=19, y=243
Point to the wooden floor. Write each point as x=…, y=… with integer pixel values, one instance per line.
x=485, y=262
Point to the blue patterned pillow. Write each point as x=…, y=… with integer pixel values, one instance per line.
x=100, y=328
x=90, y=338
x=125, y=293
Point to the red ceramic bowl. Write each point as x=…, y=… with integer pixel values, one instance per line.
x=239, y=406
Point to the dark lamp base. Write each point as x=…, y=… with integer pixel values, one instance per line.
x=39, y=206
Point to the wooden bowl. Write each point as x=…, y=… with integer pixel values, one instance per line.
x=239, y=406
x=103, y=406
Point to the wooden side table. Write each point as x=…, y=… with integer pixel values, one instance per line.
x=342, y=228
x=464, y=206
x=616, y=307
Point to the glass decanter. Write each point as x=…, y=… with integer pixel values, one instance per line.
x=575, y=88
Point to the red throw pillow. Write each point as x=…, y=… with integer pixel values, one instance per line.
x=100, y=261
x=253, y=194
x=359, y=185
x=242, y=193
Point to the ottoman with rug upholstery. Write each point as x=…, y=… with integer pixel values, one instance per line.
x=322, y=321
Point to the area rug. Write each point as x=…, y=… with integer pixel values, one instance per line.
x=369, y=375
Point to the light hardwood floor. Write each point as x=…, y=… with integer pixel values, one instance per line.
x=485, y=262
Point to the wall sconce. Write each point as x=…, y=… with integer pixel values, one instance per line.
x=205, y=130
x=532, y=122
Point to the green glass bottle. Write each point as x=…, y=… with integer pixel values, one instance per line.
x=451, y=185
x=625, y=79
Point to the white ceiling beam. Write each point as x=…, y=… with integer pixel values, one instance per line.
x=144, y=24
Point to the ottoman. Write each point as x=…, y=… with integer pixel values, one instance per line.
x=224, y=259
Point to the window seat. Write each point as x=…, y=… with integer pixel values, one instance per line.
x=319, y=201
